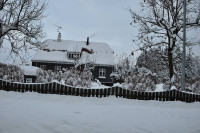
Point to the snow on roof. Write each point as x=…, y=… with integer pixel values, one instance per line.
x=57, y=52
x=29, y=70
x=70, y=45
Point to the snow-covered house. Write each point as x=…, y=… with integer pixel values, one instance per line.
x=59, y=54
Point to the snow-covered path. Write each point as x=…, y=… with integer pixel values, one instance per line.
x=40, y=113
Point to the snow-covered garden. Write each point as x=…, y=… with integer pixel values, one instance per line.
x=33, y=112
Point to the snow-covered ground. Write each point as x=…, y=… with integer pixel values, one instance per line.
x=40, y=113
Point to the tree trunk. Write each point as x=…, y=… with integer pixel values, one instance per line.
x=170, y=62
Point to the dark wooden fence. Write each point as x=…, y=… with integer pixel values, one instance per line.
x=56, y=88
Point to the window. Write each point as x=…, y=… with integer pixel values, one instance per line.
x=102, y=73
x=43, y=67
x=74, y=55
x=57, y=68
x=28, y=80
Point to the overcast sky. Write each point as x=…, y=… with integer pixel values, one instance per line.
x=104, y=20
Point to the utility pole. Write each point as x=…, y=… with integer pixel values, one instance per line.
x=184, y=43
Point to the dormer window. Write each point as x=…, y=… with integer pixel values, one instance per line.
x=73, y=55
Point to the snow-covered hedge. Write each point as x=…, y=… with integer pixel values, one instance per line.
x=72, y=76
x=11, y=73
x=140, y=79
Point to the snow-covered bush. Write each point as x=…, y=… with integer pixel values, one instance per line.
x=72, y=76
x=196, y=87
x=124, y=65
x=11, y=73
x=155, y=59
x=140, y=79
x=40, y=78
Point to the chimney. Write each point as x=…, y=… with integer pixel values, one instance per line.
x=87, y=43
x=59, y=37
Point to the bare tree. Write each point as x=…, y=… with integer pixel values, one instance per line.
x=20, y=23
x=161, y=24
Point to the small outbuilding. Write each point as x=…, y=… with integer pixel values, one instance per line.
x=30, y=73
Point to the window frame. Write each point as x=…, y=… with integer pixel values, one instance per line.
x=102, y=73
x=31, y=80
x=56, y=68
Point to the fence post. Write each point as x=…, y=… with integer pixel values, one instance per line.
x=23, y=87
x=101, y=92
x=120, y=92
x=193, y=97
x=11, y=86
x=164, y=95
x=42, y=88
x=149, y=95
x=160, y=96
x=186, y=97
x=20, y=87
x=85, y=92
x=34, y=87
x=59, y=88
x=142, y=95
x=124, y=93
x=93, y=92
x=135, y=96
x=177, y=95
x=7, y=86
x=109, y=92
x=65, y=90
x=39, y=88
x=73, y=91
x=62, y=89
x=138, y=95
x=97, y=92
x=132, y=94
x=54, y=88
x=113, y=90
x=49, y=88
x=69, y=90
x=81, y=92
x=4, y=85
x=30, y=87
x=117, y=91
x=146, y=96
x=46, y=88
x=89, y=92
x=105, y=92
x=27, y=87
x=1, y=84
x=190, y=97
x=77, y=92
x=172, y=95
x=128, y=94
x=196, y=98
x=157, y=95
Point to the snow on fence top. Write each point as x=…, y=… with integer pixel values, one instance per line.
x=57, y=51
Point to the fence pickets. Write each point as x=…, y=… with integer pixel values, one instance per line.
x=60, y=89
